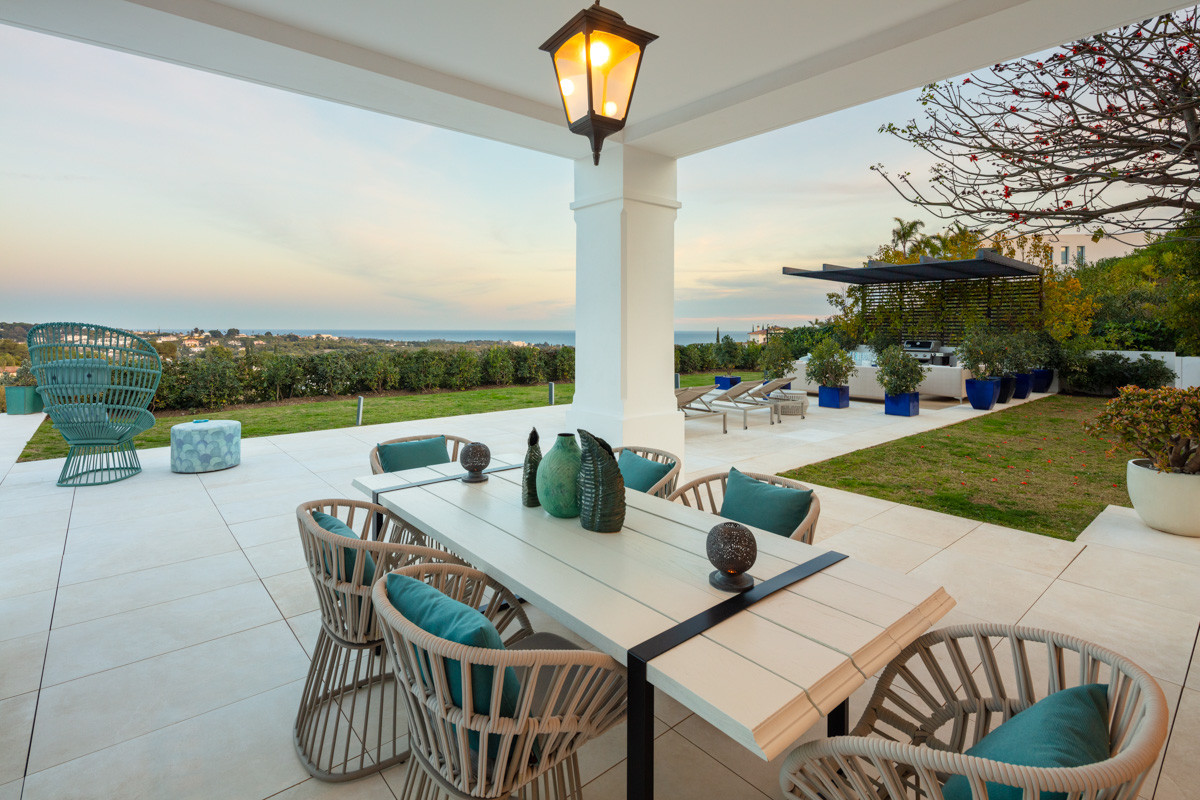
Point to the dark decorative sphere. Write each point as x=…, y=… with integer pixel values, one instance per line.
x=474, y=458
x=732, y=550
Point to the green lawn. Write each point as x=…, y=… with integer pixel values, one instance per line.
x=1030, y=467
x=322, y=415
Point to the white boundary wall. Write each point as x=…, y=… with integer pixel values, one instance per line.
x=1187, y=368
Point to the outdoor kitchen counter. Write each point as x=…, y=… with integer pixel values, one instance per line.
x=940, y=382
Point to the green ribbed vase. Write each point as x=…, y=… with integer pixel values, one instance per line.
x=558, y=478
x=601, y=487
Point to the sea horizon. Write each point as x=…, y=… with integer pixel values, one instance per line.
x=526, y=335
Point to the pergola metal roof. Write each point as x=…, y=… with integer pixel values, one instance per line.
x=985, y=264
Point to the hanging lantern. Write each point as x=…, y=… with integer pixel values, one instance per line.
x=596, y=59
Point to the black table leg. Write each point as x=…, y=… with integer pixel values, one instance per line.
x=639, y=767
x=838, y=721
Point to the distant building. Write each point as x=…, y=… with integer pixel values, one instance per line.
x=760, y=335
x=191, y=342
x=1072, y=248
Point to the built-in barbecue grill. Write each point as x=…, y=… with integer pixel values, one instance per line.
x=927, y=351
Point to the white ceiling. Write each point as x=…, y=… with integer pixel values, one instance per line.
x=722, y=70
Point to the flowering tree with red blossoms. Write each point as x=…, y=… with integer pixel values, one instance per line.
x=1103, y=133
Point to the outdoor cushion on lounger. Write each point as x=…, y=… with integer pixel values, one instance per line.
x=434, y=612
x=335, y=525
x=778, y=509
x=1065, y=729
x=410, y=455
x=641, y=473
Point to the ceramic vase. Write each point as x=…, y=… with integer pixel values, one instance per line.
x=533, y=457
x=558, y=478
x=601, y=487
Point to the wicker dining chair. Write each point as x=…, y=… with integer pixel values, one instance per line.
x=667, y=484
x=929, y=706
x=349, y=681
x=707, y=493
x=97, y=384
x=567, y=697
x=453, y=445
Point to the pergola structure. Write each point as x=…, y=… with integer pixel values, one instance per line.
x=939, y=299
x=720, y=72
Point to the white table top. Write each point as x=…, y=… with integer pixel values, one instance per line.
x=764, y=677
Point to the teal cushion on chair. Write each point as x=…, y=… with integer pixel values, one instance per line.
x=641, y=473
x=400, y=456
x=444, y=617
x=778, y=509
x=1066, y=729
x=335, y=525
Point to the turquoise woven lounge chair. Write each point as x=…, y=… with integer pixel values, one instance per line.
x=96, y=383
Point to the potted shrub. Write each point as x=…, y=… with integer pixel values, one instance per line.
x=830, y=367
x=900, y=374
x=21, y=396
x=727, y=357
x=1022, y=355
x=1043, y=376
x=978, y=353
x=1164, y=426
x=776, y=359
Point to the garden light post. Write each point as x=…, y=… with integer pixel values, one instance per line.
x=596, y=60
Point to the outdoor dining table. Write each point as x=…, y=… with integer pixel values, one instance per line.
x=763, y=676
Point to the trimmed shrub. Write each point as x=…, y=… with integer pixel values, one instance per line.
x=461, y=370
x=424, y=370
x=527, y=365
x=498, y=366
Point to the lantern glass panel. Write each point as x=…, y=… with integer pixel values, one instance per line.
x=614, y=63
x=570, y=62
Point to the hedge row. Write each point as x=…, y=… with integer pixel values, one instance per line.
x=216, y=378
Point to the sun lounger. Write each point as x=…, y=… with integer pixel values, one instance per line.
x=761, y=395
x=729, y=400
x=690, y=400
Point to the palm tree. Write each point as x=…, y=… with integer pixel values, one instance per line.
x=906, y=232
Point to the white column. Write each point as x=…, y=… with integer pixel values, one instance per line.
x=625, y=299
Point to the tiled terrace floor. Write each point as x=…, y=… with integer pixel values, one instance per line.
x=154, y=633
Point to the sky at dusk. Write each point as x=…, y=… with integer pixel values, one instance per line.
x=142, y=194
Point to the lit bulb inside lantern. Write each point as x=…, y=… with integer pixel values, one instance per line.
x=600, y=54
x=610, y=109
x=567, y=86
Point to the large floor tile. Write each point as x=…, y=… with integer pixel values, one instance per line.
x=1122, y=528
x=306, y=628
x=25, y=614
x=21, y=662
x=31, y=564
x=881, y=549
x=263, y=531
x=34, y=517
x=1193, y=677
x=852, y=508
x=1028, y=551
x=276, y=558
x=372, y=787
x=11, y=791
x=1137, y=575
x=682, y=771
x=17, y=714
x=97, y=711
x=921, y=525
x=989, y=591
x=93, y=555
x=109, y=642
x=242, y=751
x=293, y=592
x=1158, y=639
x=1180, y=775
x=80, y=602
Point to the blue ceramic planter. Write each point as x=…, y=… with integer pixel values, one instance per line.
x=833, y=396
x=1022, y=386
x=1042, y=378
x=902, y=405
x=726, y=381
x=982, y=392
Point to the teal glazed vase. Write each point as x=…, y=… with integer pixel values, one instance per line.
x=558, y=477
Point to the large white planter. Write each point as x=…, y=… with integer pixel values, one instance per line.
x=1166, y=501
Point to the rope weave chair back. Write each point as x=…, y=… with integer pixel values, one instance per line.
x=950, y=688
x=349, y=722
x=666, y=484
x=707, y=493
x=566, y=698
x=97, y=384
x=453, y=445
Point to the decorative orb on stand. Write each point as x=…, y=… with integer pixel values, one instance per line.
x=474, y=458
x=732, y=550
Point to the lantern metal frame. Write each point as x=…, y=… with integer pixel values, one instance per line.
x=595, y=19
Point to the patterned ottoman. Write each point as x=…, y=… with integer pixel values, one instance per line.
x=206, y=445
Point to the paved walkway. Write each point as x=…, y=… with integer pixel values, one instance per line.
x=154, y=633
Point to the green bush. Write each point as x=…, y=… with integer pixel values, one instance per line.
x=899, y=372
x=565, y=365
x=424, y=370
x=527, y=365
x=280, y=377
x=1104, y=373
x=461, y=371
x=327, y=374
x=498, y=366
x=776, y=358
x=829, y=365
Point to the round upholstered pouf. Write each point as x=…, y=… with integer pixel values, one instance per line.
x=206, y=445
